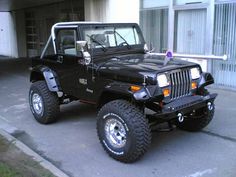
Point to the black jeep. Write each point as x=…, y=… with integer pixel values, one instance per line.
x=109, y=65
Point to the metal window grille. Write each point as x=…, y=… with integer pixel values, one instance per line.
x=225, y=43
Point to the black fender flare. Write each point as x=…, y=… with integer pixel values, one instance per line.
x=205, y=79
x=48, y=75
x=123, y=89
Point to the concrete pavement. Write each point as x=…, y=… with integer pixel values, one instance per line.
x=72, y=144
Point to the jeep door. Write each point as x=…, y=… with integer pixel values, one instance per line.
x=68, y=66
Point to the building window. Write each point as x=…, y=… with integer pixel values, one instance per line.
x=31, y=35
x=154, y=24
x=150, y=3
x=190, y=27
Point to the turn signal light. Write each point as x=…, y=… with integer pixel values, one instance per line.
x=166, y=92
x=194, y=85
x=135, y=88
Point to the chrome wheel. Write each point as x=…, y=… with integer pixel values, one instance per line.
x=37, y=103
x=115, y=133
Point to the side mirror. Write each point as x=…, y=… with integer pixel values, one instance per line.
x=82, y=47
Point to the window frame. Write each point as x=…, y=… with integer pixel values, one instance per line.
x=137, y=39
x=113, y=50
x=75, y=37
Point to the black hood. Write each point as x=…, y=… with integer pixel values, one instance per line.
x=134, y=67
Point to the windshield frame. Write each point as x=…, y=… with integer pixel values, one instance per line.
x=114, y=49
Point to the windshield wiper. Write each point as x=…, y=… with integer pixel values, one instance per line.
x=97, y=42
x=127, y=44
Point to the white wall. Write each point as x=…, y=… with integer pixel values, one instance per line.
x=8, y=42
x=123, y=11
x=112, y=10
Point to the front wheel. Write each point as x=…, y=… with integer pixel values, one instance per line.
x=198, y=119
x=44, y=104
x=123, y=131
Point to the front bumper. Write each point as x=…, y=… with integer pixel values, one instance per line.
x=184, y=106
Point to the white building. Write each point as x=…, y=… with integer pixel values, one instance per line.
x=184, y=26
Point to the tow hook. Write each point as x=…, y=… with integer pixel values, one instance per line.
x=210, y=106
x=180, y=117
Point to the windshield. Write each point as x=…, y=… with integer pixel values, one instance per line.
x=108, y=37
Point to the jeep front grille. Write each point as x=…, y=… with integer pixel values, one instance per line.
x=180, y=83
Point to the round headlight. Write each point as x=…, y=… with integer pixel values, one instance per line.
x=195, y=73
x=162, y=80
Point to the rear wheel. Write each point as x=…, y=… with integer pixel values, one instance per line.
x=123, y=131
x=44, y=104
x=198, y=119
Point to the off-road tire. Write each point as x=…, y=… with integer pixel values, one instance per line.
x=50, y=103
x=198, y=121
x=138, y=134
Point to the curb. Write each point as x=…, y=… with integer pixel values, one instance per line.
x=43, y=162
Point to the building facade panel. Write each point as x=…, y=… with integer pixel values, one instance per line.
x=154, y=24
x=225, y=43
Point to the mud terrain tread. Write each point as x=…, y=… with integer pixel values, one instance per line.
x=51, y=103
x=136, y=122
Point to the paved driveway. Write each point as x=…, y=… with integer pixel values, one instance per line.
x=73, y=146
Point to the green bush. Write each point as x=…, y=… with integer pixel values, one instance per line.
x=7, y=171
